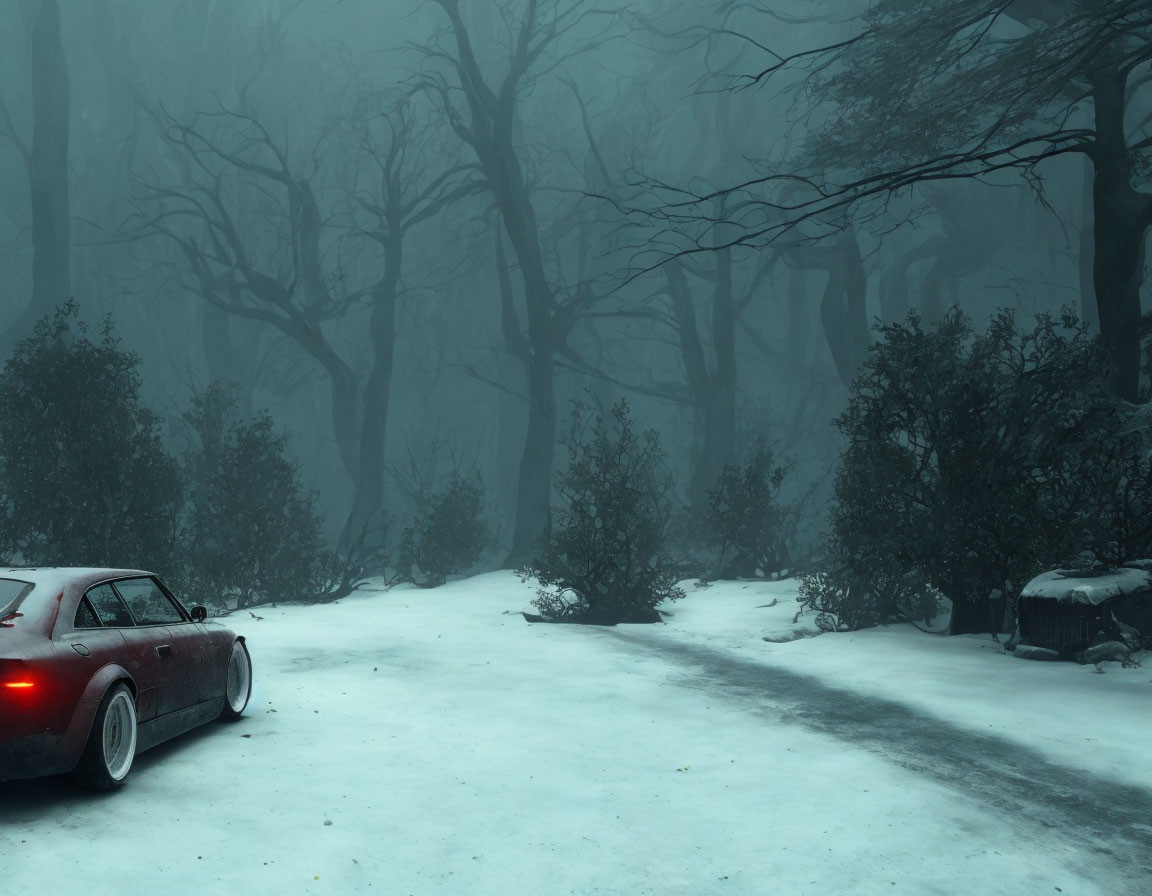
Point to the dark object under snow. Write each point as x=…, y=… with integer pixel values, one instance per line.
x=1071, y=612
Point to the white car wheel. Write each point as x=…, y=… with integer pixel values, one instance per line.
x=111, y=746
x=238, y=686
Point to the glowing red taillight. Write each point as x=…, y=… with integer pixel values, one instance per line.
x=16, y=676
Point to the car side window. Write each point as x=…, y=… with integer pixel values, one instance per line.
x=148, y=603
x=85, y=616
x=109, y=607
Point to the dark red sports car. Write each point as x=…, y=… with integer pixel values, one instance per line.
x=97, y=665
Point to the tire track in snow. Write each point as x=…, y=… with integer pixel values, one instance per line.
x=1092, y=813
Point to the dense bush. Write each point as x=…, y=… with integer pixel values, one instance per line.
x=975, y=461
x=447, y=537
x=841, y=601
x=1124, y=470
x=744, y=520
x=604, y=559
x=84, y=476
x=253, y=534
x=845, y=601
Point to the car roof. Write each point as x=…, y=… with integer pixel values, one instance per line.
x=60, y=576
x=40, y=610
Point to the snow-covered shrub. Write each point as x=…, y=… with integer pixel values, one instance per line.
x=253, y=534
x=604, y=559
x=744, y=520
x=975, y=461
x=84, y=476
x=840, y=602
x=447, y=537
x=843, y=601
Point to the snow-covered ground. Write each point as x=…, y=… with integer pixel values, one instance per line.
x=1095, y=718
x=417, y=742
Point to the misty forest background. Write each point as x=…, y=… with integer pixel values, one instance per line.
x=412, y=234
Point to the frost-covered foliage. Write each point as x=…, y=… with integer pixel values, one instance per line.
x=841, y=601
x=1125, y=500
x=84, y=475
x=604, y=559
x=447, y=537
x=253, y=534
x=844, y=601
x=744, y=519
x=974, y=461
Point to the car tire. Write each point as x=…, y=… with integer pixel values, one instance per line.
x=237, y=682
x=111, y=747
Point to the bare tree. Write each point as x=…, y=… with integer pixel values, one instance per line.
x=712, y=382
x=291, y=272
x=843, y=316
x=706, y=296
x=407, y=190
x=486, y=122
x=269, y=266
x=241, y=40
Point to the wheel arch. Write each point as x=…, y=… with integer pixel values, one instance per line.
x=80, y=726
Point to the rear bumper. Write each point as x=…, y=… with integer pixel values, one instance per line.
x=32, y=757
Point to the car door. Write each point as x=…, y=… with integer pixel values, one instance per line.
x=213, y=652
x=136, y=652
x=178, y=644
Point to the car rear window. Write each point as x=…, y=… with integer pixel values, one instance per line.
x=12, y=592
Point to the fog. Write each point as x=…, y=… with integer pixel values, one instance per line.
x=415, y=232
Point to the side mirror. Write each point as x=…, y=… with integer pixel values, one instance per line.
x=199, y=614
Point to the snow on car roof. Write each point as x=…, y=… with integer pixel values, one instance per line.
x=1089, y=589
x=59, y=576
x=39, y=609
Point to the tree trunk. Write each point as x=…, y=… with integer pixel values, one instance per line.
x=1121, y=217
x=534, y=483
x=843, y=312
x=719, y=419
x=719, y=402
x=713, y=392
x=894, y=301
x=799, y=316
x=695, y=371
x=1089, y=313
x=511, y=434
x=345, y=390
x=515, y=363
x=721, y=444
x=47, y=174
x=977, y=617
x=932, y=306
x=377, y=391
x=493, y=139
